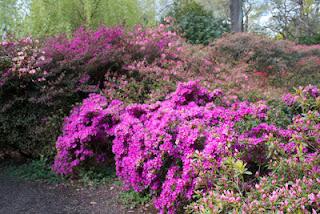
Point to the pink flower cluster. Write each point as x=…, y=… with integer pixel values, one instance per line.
x=23, y=58
x=155, y=50
x=157, y=146
x=87, y=133
x=154, y=144
x=84, y=43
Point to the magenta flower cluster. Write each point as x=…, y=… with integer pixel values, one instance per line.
x=84, y=43
x=86, y=133
x=156, y=146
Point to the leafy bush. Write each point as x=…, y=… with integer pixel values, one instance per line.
x=26, y=125
x=202, y=29
x=291, y=184
x=284, y=62
x=197, y=25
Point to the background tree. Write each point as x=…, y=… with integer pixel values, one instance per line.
x=197, y=24
x=12, y=13
x=295, y=19
x=236, y=15
x=49, y=17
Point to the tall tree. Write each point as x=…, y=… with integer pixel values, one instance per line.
x=236, y=15
x=294, y=19
x=11, y=17
x=48, y=17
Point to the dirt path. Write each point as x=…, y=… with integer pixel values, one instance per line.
x=19, y=196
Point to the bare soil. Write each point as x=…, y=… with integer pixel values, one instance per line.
x=21, y=196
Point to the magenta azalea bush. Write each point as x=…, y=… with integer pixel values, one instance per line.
x=290, y=183
x=193, y=150
x=198, y=150
x=87, y=133
x=84, y=44
x=40, y=82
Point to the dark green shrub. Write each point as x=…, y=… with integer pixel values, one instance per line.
x=196, y=24
x=310, y=40
x=203, y=29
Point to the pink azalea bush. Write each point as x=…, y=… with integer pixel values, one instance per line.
x=196, y=143
x=157, y=146
x=87, y=133
x=155, y=50
x=84, y=43
x=19, y=59
x=79, y=64
x=291, y=182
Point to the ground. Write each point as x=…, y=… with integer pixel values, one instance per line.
x=21, y=196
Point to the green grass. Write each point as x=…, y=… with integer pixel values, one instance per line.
x=97, y=176
x=35, y=170
x=132, y=199
x=40, y=170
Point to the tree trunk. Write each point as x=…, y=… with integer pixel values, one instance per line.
x=236, y=15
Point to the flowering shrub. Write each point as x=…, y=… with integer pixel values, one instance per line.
x=291, y=186
x=196, y=143
x=19, y=67
x=292, y=180
x=78, y=65
x=26, y=126
x=154, y=50
x=87, y=133
x=41, y=82
x=111, y=60
x=304, y=99
x=174, y=147
x=282, y=61
x=84, y=44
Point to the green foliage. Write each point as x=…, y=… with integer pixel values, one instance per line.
x=202, y=29
x=196, y=24
x=36, y=170
x=279, y=113
x=32, y=132
x=237, y=167
x=309, y=40
x=97, y=175
x=49, y=17
x=133, y=199
x=247, y=124
x=12, y=14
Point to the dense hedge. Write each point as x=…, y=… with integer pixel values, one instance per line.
x=287, y=63
x=40, y=82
